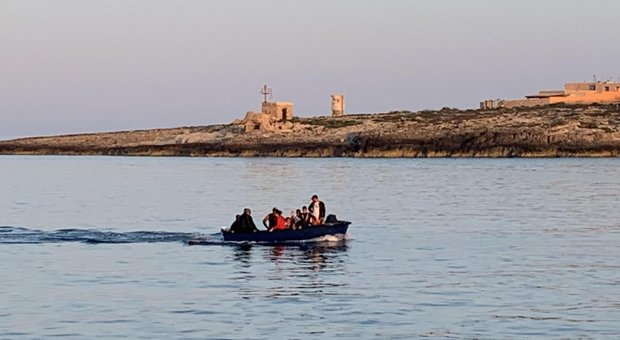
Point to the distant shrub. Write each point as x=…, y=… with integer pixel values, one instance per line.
x=393, y=116
x=331, y=123
x=445, y=108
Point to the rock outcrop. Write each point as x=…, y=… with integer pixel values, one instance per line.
x=551, y=131
x=254, y=121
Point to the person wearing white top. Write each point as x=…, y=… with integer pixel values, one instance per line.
x=316, y=210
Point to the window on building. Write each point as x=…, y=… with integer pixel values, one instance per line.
x=607, y=88
x=592, y=87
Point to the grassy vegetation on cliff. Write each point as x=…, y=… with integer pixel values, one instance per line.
x=330, y=123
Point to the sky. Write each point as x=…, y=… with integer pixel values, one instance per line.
x=73, y=66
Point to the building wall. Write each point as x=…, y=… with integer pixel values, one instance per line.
x=278, y=110
x=597, y=87
x=490, y=104
x=526, y=102
x=588, y=97
x=574, y=93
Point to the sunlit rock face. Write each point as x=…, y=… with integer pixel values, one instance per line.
x=549, y=131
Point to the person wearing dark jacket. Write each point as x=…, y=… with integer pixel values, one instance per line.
x=244, y=223
x=316, y=210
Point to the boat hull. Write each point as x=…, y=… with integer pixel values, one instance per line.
x=308, y=233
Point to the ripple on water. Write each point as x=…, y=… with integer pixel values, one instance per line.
x=489, y=249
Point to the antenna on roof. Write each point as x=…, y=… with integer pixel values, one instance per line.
x=594, y=78
x=266, y=92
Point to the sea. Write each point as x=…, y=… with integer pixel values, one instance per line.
x=96, y=247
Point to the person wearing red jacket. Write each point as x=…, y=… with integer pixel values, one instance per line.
x=280, y=221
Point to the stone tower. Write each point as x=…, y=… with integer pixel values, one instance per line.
x=337, y=105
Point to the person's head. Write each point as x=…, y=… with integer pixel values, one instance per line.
x=298, y=212
x=247, y=211
x=315, y=198
x=304, y=209
x=237, y=217
x=274, y=210
x=278, y=212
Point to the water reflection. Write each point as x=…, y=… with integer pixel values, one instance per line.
x=314, y=256
x=276, y=252
x=291, y=271
x=243, y=254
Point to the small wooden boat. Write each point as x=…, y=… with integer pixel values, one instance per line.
x=311, y=232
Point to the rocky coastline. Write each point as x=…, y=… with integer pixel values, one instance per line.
x=549, y=131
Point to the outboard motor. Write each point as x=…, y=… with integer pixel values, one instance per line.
x=331, y=218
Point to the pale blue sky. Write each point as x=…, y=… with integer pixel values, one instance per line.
x=82, y=66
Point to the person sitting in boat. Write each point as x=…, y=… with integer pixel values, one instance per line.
x=316, y=210
x=280, y=222
x=244, y=223
x=235, y=225
x=291, y=220
x=270, y=219
x=298, y=220
x=305, y=216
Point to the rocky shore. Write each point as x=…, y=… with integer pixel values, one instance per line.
x=550, y=131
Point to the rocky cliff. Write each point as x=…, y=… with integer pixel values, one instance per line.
x=551, y=131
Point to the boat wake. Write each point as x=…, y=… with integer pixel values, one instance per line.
x=333, y=238
x=18, y=235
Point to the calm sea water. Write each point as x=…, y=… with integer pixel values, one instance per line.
x=95, y=247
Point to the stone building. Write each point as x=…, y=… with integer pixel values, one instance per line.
x=271, y=113
x=573, y=93
x=337, y=105
x=278, y=110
